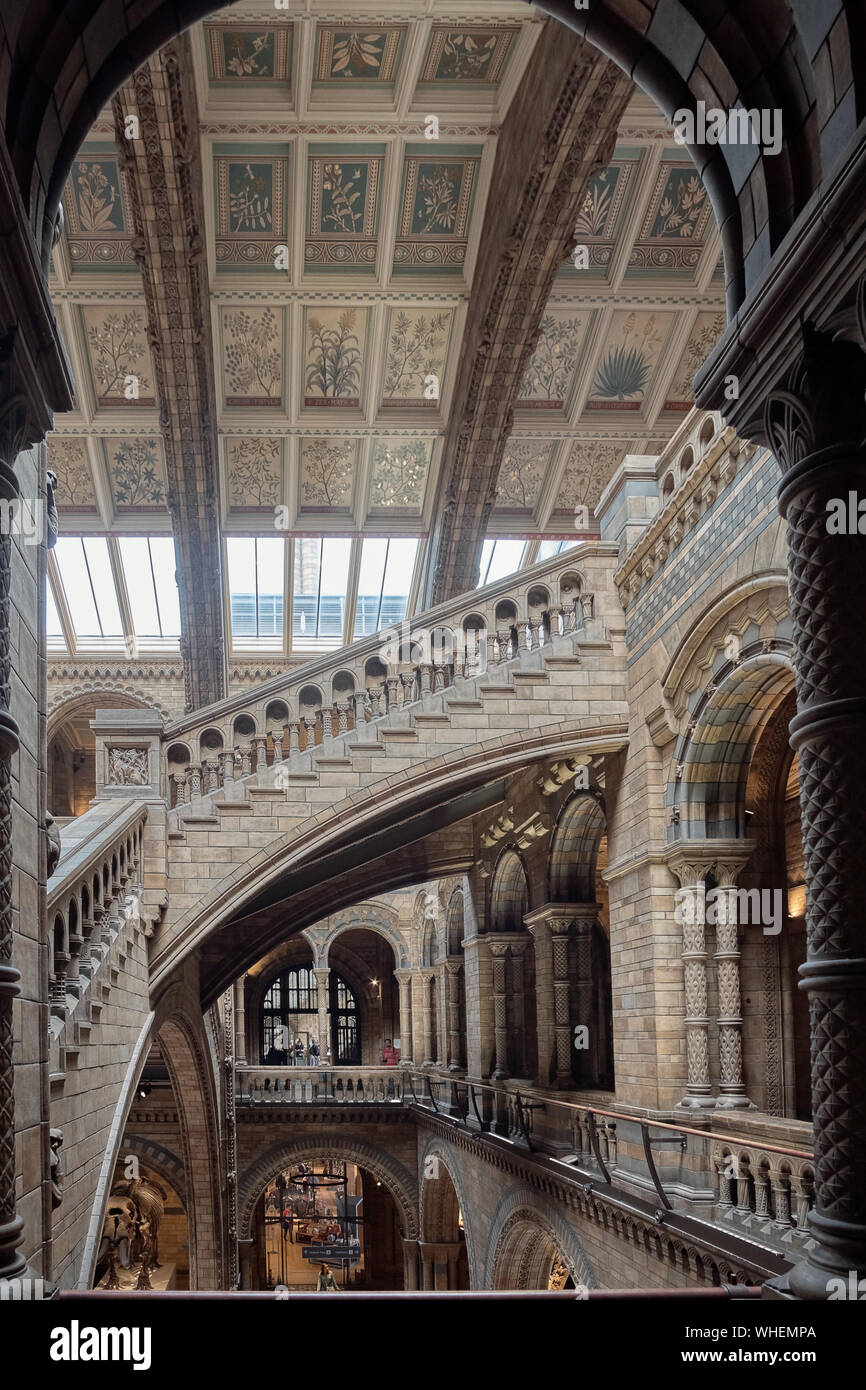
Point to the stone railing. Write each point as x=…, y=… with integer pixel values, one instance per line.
x=336, y=694
x=318, y=1086
x=96, y=876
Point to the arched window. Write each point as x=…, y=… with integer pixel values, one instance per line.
x=290, y=1011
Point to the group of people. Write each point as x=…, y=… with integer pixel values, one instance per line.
x=297, y=1054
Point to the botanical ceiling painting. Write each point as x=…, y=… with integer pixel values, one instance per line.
x=551, y=370
x=625, y=367
x=675, y=224
x=327, y=474
x=590, y=466
x=360, y=55
x=599, y=223
x=521, y=475
x=94, y=208
x=136, y=471
x=467, y=55
x=254, y=472
x=435, y=210
x=68, y=460
x=238, y=56
x=119, y=355
x=399, y=476
x=251, y=204
x=253, y=356
x=706, y=331
x=334, y=341
x=343, y=202
x=415, y=363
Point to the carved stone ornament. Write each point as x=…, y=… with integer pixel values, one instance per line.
x=127, y=767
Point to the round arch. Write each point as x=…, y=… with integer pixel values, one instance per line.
x=69, y=703
x=526, y=1234
x=443, y=1203
x=509, y=893
x=397, y=1178
x=375, y=922
x=574, y=850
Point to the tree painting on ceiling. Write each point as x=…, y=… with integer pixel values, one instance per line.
x=253, y=360
x=137, y=477
x=67, y=459
x=248, y=54
x=437, y=199
x=327, y=470
x=593, y=215
x=590, y=466
x=706, y=331
x=250, y=197
x=681, y=207
x=626, y=364
x=343, y=198
x=466, y=57
x=399, y=475
x=357, y=54
x=416, y=356
x=253, y=473
x=521, y=475
x=98, y=196
x=551, y=368
x=333, y=369
x=118, y=352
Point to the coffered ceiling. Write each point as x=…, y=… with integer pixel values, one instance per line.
x=341, y=244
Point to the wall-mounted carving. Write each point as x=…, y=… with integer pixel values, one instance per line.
x=127, y=767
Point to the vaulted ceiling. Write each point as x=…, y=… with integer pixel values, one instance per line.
x=290, y=372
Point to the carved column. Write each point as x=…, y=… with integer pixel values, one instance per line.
x=453, y=966
x=518, y=946
x=410, y=1264
x=404, y=982
x=732, y=1087
x=817, y=427
x=498, y=947
x=426, y=980
x=323, y=995
x=240, y=1024
x=540, y=933
x=586, y=915
x=690, y=912
x=559, y=926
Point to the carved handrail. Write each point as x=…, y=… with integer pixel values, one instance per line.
x=384, y=673
x=308, y=1085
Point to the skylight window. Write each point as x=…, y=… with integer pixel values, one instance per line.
x=256, y=587
x=320, y=584
x=88, y=586
x=149, y=566
x=547, y=549
x=53, y=625
x=498, y=559
x=384, y=583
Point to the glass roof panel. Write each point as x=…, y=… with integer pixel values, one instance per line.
x=498, y=559
x=385, y=579
x=88, y=586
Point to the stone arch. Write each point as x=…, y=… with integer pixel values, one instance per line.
x=440, y=1204
x=185, y=1057
x=163, y=1162
x=374, y=918
x=715, y=750
x=396, y=1177
x=455, y=922
x=526, y=1232
x=67, y=703
x=574, y=849
x=509, y=893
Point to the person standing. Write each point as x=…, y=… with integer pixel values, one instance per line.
x=326, y=1282
x=299, y=1052
x=313, y=1053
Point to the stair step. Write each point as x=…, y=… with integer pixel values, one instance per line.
x=295, y=779
x=399, y=735
x=432, y=720
x=364, y=746
x=176, y=837
x=563, y=663
x=267, y=793
x=461, y=705
x=496, y=689
x=196, y=822
x=235, y=808
x=531, y=677
x=57, y=1078
x=333, y=762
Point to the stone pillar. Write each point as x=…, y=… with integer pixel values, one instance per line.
x=426, y=980
x=518, y=946
x=498, y=946
x=410, y=1265
x=240, y=1024
x=453, y=967
x=323, y=1022
x=816, y=427
x=690, y=912
x=559, y=925
x=586, y=915
x=404, y=982
x=732, y=1087
x=441, y=977
x=545, y=1044
x=427, y=1272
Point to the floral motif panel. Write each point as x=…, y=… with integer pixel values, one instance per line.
x=467, y=55
x=253, y=353
x=136, y=471
x=590, y=466
x=349, y=56
x=69, y=461
x=327, y=474
x=550, y=373
x=119, y=355
x=675, y=223
x=708, y=328
x=251, y=204
x=254, y=473
x=399, y=477
x=334, y=343
x=435, y=209
x=628, y=359
x=416, y=356
x=343, y=201
x=255, y=56
x=521, y=475
x=94, y=203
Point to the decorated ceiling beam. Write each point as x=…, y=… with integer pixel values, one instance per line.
x=156, y=122
x=560, y=128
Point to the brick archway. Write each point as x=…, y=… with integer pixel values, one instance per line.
x=399, y=1181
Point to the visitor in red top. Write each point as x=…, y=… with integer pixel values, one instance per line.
x=390, y=1055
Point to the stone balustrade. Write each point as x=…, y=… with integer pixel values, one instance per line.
x=335, y=695
x=318, y=1086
